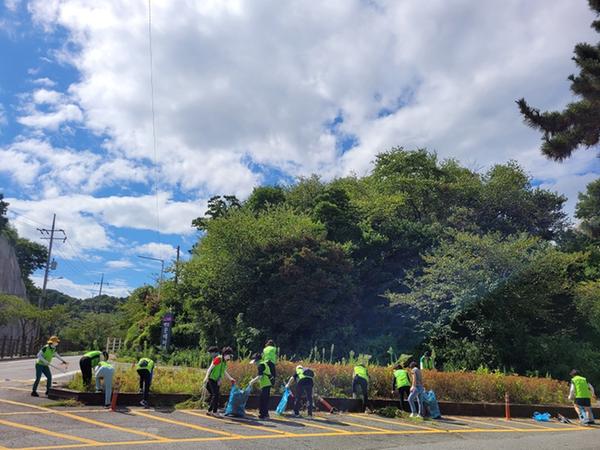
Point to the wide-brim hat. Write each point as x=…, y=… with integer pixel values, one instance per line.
x=53, y=340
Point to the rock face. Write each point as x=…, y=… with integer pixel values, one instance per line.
x=10, y=282
x=10, y=274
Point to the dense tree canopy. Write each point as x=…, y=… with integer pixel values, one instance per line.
x=483, y=268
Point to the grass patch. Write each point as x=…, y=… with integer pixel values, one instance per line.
x=69, y=402
x=192, y=403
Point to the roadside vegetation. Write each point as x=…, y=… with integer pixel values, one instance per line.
x=335, y=380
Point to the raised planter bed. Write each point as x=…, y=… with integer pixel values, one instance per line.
x=342, y=404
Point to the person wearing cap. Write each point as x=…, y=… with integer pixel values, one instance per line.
x=304, y=380
x=43, y=363
x=214, y=376
x=87, y=362
x=264, y=380
x=145, y=370
x=269, y=355
x=582, y=392
x=104, y=371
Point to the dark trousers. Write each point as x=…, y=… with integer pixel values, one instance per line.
x=404, y=391
x=85, y=364
x=359, y=382
x=263, y=409
x=305, y=387
x=213, y=398
x=273, y=372
x=145, y=382
x=39, y=370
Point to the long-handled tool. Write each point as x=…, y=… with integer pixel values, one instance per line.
x=330, y=409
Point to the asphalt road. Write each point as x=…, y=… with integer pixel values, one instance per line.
x=31, y=423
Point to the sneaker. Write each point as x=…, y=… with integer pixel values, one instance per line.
x=412, y=415
x=297, y=416
x=144, y=403
x=419, y=416
x=107, y=406
x=310, y=416
x=35, y=394
x=263, y=417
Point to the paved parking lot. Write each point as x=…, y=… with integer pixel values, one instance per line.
x=29, y=425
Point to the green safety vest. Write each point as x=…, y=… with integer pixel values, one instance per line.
x=94, y=356
x=361, y=371
x=219, y=370
x=270, y=354
x=582, y=390
x=149, y=364
x=401, y=377
x=48, y=353
x=265, y=378
x=301, y=376
x=105, y=364
x=426, y=362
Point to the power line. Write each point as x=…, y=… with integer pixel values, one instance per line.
x=153, y=117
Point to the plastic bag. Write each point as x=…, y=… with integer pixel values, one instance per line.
x=236, y=406
x=432, y=405
x=541, y=417
x=283, y=402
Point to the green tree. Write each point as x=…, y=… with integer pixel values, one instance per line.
x=578, y=124
x=588, y=209
x=218, y=206
x=264, y=196
x=3, y=209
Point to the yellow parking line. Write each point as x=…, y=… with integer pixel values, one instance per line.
x=310, y=423
x=235, y=422
x=481, y=422
x=184, y=424
x=531, y=424
x=27, y=413
x=86, y=420
x=394, y=422
x=47, y=432
x=290, y=436
x=366, y=427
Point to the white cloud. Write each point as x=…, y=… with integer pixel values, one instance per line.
x=44, y=81
x=260, y=81
x=119, y=264
x=158, y=250
x=82, y=290
x=12, y=5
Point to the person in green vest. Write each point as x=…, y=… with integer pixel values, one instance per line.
x=361, y=381
x=87, y=362
x=43, y=362
x=104, y=372
x=401, y=383
x=264, y=382
x=269, y=355
x=214, y=376
x=581, y=392
x=426, y=362
x=145, y=370
x=304, y=378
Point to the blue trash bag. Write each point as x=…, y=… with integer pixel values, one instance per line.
x=541, y=417
x=431, y=403
x=283, y=402
x=236, y=406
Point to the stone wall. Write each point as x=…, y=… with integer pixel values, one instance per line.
x=10, y=282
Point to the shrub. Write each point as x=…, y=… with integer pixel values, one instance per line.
x=335, y=380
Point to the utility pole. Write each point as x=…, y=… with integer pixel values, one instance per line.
x=102, y=283
x=162, y=269
x=177, y=267
x=45, y=232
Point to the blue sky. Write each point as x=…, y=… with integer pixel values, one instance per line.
x=255, y=92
